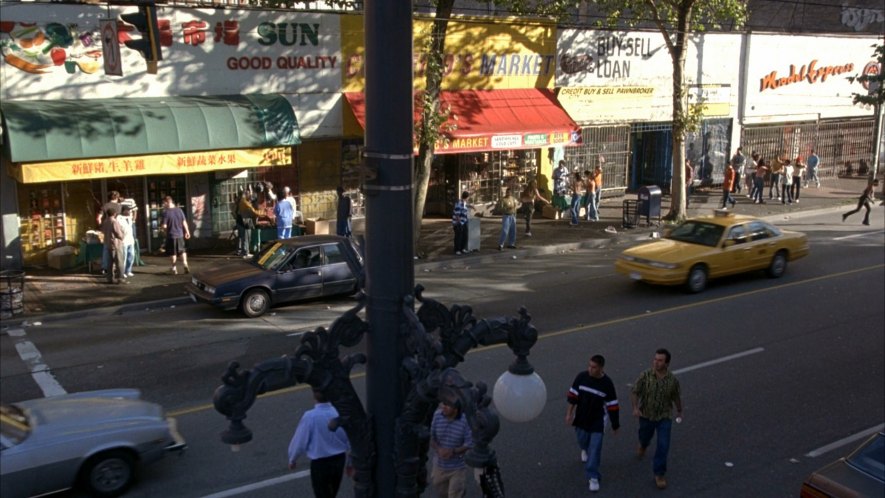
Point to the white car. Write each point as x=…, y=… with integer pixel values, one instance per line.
x=91, y=440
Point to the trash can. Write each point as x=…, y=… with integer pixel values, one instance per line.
x=650, y=202
x=474, y=235
x=12, y=290
x=630, y=214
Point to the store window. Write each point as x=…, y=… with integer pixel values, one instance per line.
x=227, y=185
x=42, y=218
x=487, y=175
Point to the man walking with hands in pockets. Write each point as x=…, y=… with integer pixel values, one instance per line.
x=653, y=396
x=592, y=399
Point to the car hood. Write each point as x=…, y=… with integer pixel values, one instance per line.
x=667, y=251
x=228, y=272
x=61, y=413
x=840, y=479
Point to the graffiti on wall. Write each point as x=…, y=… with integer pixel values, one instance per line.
x=858, y=18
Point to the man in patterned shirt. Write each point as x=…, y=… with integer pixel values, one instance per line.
x=450, y=439
x=653, y=396
x=459, y=223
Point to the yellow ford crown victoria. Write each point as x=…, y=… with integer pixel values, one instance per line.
x=712, y=246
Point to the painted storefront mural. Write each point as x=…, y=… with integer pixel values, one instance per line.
x=805, y=76
x=478, y=55
x=55, y=51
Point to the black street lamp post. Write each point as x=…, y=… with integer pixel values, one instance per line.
x=410, y=356
x=434, y=340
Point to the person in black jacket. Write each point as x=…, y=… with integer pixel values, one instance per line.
x=592, y=399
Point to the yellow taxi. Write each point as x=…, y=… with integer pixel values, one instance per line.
x=706, y=247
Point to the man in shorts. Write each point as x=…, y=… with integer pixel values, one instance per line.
x=177, y=232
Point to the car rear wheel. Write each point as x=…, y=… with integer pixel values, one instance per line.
x=108, y=474
x=255, y=303
x=697, y=279
x=778, y=265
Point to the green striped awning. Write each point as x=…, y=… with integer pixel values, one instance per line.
x=52, y=130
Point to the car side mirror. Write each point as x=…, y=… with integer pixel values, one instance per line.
x=729, y=243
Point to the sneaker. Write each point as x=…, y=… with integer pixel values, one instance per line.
x=661, y=482
x=866, y=222
x=843, y=217
x=528, y=234
x=174, y=270
x=247, y=256
x=130, y=274
x=640, y=452
x=500, y=248
x=594, y=484
x=457, y=253
x=797, y=201
x=583, y=456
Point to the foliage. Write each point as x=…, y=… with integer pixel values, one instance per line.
x=874, y=82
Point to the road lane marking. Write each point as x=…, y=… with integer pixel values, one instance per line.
x=258, y=485
x=585, y=328
x=719, y=360
x=842, y=442
x=864, y=234
x=31, y=356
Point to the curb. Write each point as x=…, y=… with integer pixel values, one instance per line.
x=637, y=235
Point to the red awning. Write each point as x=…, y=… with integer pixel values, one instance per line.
x=484, y=120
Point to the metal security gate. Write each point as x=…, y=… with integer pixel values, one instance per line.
x=845, y=146
x=608, y=145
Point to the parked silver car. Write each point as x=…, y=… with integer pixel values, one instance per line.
x=91, y=439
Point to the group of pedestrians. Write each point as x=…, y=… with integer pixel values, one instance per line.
x=593, y=404
x=786, y=177
x=327, y=448
x=586, y=192
x=117, y=224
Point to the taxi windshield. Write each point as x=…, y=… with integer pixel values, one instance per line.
x=697, y=232
x=273, y=256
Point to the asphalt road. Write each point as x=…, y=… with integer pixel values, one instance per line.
x=771, y=370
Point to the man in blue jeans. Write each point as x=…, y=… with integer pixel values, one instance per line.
x=591, y=399
x=653, y=396
x=509, y=206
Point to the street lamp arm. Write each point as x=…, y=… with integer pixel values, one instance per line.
x=240, y=389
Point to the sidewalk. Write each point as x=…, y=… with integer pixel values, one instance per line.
x=48, y=292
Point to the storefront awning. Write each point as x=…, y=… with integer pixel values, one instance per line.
x=484, y=120
x=53, y=130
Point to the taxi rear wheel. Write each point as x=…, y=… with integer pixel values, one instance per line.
x=778, y=265
x=697, y=279
x=255, y=303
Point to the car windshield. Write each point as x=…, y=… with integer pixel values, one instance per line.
x=697, y=232
x=272, y=256
x=14, y=426
x=871, y=458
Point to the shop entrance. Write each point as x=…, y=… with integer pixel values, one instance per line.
x=652, y=156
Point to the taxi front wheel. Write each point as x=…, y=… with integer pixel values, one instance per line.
x=778, y=265
x=697, y=279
